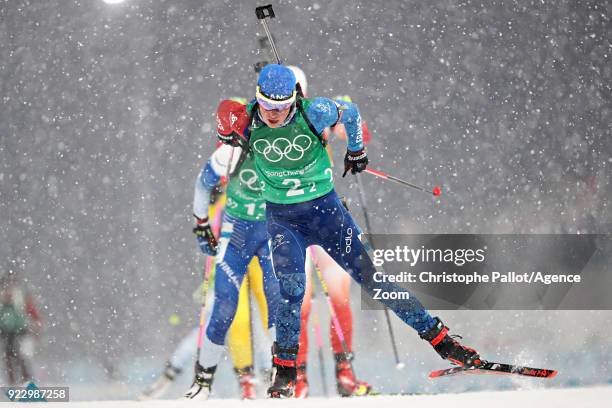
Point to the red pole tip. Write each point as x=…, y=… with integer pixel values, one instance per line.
x=436, y=191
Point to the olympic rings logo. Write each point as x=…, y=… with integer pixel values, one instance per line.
x=283, y=148
x=249, y=178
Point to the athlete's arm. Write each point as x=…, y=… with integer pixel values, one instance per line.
x=232, y=122
x=324, y=113
x=210, y=176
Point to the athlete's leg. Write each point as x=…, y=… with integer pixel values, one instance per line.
x=258, y=292
x=236, y=249
x=337, y=233
x=239, y=335
x=270, y=283
x=338, y=283
x=343, y=244
x=241, y=338
x=230, y=267
x=262, y=336
x=288, y=254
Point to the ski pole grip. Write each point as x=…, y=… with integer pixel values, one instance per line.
x=264, y=11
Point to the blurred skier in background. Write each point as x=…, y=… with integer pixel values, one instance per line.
x=19, y=321
x=285, y=134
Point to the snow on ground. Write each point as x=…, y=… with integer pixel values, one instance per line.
x=558, y=398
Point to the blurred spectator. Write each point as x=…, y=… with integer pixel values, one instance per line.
x=19, y=321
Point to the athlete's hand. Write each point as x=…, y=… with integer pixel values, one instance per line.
x=232, y=139
x=232, y=121
x=356, y=162
x=206, y=238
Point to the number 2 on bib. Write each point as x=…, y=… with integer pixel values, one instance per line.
x=295, y=190
x=295, y=184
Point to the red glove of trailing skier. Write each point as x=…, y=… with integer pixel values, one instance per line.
x=232, y=121
x=356, y=162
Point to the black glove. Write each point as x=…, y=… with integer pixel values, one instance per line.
x=206, y=238
x=232, y=139
x=356, y=162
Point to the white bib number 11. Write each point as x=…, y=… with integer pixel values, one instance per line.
x=251, y=207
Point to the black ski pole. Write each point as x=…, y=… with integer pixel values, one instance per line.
x=398, y=364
